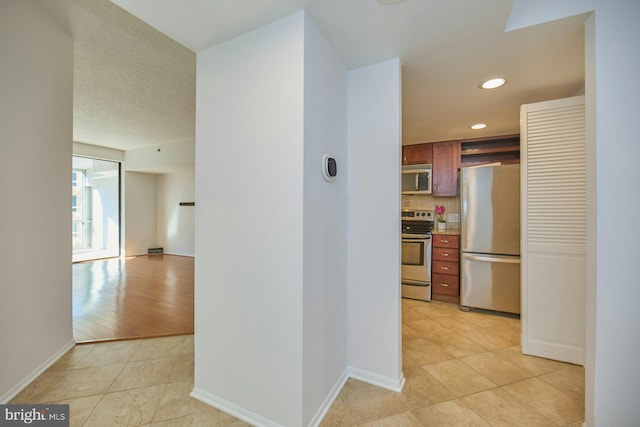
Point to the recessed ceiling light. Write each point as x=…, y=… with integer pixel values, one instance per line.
x=478, y=126
x=390, y=1
x=493, y=83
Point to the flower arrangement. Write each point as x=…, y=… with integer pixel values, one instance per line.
x=440, y=212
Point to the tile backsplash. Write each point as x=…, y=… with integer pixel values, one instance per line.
x=451, y=204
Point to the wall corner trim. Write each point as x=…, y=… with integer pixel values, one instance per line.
x=328, y=402
x=252, y=418
x=13, y=391
x=232, y=409
x=393, y=384
x=526, y=13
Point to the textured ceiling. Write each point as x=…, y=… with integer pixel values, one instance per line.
x=134, y=86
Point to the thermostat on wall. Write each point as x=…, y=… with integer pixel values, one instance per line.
x=329, y=168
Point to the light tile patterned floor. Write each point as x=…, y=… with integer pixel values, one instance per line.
x=461, y=368
x=127, y=383
x=465, y=369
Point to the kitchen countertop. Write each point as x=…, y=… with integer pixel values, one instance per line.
x=448, y=231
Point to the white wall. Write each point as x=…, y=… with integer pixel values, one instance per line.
x=140, y=209
x=152, y=216
x=374, y=141
x=175, y=223
x=161, y=158
x=173, y=166
x=613, y=105
x=325, y=225
x=249, y=221
x=592, y=197
x=616, y=90
x=527, y=13
x=36, y=89
x=95, y=152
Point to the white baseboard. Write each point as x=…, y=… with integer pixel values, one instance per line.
x=326, y=405
x=555, y=351
x=378, y=380
x=180, y=254
x=257, y=420
x=166, y=253
x=13, y=391
x=232, y=409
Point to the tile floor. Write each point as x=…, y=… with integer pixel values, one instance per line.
x=462, y=369
x=465, y=369
x=127, y=383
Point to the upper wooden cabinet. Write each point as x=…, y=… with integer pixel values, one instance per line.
x=504, y=149
x=417, y=154
x=446, y=157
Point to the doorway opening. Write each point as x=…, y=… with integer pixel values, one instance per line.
x=95, y=208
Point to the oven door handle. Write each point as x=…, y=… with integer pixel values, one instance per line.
x=415, y=239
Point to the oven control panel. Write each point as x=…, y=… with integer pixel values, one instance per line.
x=417, y=215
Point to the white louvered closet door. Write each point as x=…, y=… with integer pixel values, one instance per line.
x=553, y=169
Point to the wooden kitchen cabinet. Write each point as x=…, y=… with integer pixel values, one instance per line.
x=446, y=254
x=446, y=158
x=417, y=154
x=446, y=288
x=504, y=149
x=445, y=268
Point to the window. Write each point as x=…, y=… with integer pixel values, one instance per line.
x=95, y=208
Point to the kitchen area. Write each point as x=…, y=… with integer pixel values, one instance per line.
x=470, y=331
x=461, y=223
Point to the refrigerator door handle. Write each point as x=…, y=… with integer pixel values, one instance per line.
x=508, y=260
x=465, y=189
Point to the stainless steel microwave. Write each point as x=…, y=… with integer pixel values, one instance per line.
x=416, y=179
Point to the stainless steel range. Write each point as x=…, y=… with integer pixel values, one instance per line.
x=416, y=253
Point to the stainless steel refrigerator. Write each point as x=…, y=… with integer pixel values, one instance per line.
x=490, y=232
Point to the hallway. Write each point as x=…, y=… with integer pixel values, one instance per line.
x=461, y=368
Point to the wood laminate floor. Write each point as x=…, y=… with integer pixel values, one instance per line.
x=137, y=297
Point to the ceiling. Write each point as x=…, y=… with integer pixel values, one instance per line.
x=134, y=86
